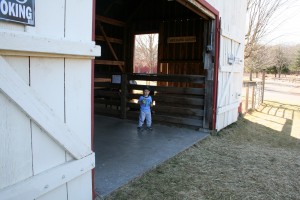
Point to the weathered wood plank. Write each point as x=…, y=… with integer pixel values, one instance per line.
x=121, y=67
x=169, y=119
x=168, y=78
x=102, y=110
x=170, y=90
x=110, y=39
x=193, y=61
x=107, y=93
x=110, y=21
x=171, y=110
x=109, y=62
x=107, y=85
x=184, y=101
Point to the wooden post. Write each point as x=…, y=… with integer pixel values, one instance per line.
x=263, y=85
x=253, y=93
x=124, y=96
x=247, y=97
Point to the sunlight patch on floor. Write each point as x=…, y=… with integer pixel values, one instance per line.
x=273, y=122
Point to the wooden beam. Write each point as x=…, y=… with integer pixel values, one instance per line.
x=23, y=44
x=110, y=39
x=168, y=78
x=170, y=90
x=181, y=61
x=109, y=62
x=42, y=183
x=110, y=21
x=30, y=103
x=111, y=48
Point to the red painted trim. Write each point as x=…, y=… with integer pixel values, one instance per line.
x=240, y=109
x=216, y=72
x=206, y=5
x=92, y=96
x=209, y=7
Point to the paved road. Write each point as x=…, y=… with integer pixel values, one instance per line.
x=285, y=92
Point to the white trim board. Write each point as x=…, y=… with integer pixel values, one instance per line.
x=46, y=181
x=15, y=43
x=26, y=98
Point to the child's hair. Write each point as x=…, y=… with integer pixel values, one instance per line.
x=146, y=88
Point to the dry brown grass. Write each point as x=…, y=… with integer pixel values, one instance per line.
x=247, y=160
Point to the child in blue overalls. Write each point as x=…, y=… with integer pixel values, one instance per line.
x=145, y=102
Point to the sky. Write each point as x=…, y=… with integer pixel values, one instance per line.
x=285, y=25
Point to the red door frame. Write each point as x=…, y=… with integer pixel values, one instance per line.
x=209, y=7
x=206, y=5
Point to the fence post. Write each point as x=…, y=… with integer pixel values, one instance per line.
x=247, y=96
x=253, y=94
x=124, y=96
x=263, y=85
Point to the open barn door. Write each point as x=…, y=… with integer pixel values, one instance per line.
x=229, y=80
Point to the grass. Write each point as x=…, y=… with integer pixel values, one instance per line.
x=246, y=160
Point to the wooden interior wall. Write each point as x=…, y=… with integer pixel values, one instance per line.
x=181, y=58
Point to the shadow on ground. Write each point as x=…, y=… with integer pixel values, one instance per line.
x=284, y=118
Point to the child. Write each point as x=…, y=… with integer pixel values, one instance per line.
x=145, y=102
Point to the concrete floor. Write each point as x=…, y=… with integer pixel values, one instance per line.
x=123, y=154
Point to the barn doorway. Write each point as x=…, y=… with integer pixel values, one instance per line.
x=184, y=60
x=184, y=80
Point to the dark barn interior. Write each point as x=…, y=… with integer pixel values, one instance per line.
x=184, y=83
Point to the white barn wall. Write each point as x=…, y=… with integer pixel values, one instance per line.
x=230, y=76
x=64, y=84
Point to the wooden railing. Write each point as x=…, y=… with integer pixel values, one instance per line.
x=252, y=95
x=177, y=105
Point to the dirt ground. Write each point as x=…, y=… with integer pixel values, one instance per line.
x=255, y=158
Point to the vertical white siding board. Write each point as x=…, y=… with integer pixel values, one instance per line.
x=47, y=79
x=81, y=187
x=78, y=116
x=15, y=162
x=78, y=89
x=78, y=20
x=78, y=97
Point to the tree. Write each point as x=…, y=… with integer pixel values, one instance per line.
x=298, y=60
x=260, y=59
x=281, y=60
x=260, y=13
x=146, y=47
x=259, y=18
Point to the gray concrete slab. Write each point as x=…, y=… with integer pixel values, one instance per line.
x=123, y=154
